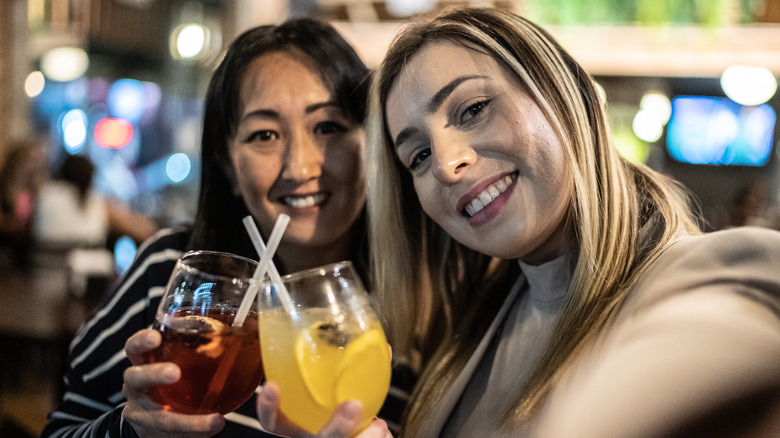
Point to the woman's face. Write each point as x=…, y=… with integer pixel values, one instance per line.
x=295, y=152
x=486, y=163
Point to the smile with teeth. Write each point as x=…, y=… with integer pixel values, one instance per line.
x=304, y=201
x=488, y=195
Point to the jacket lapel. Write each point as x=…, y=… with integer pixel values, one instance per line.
x=443, y=410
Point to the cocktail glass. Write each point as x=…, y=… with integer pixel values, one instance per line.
x=220, y=364
x=327, y=349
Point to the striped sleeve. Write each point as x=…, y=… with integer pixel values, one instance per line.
x=93, y=402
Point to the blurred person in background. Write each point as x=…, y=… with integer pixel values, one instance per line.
x=282, y=133
x=23, y=173
x=575, y=295
x=74, y=227
x=70, y=213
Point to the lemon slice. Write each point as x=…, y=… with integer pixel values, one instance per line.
x=364, y=371
x=317, y=359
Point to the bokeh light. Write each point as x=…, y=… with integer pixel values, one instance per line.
x=602, y=92
x=113, y=133
x=64, y=64
x=124, y=253
x=126, y=100
x=647, y=127
x=403, y=8
x=748, y=85
x=658, y=105
x=34, y=84
x=189, y=41
x=178, y=167
x=74, y=130
x=714, y=130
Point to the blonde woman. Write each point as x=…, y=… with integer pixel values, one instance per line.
x=571, y=292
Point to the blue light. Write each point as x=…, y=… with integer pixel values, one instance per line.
x=124, y=253
x=718, y=131
x=74, y=130
x=126, y=100
x=178, y=167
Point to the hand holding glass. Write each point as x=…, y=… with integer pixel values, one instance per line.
x=220, y=364
x=329, y=348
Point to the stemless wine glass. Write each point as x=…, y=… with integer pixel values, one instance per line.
x=327, y=349
x=220, y=364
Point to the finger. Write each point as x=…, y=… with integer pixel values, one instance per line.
x=267, y=404
x=140, y=378
x=344, y=421
x=142, y=342
x=149, y=420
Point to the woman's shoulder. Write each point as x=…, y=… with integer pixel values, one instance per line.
x=163, y=248
x=730, y=245
x=740, y=261
x=700, y=326
x=175, y=237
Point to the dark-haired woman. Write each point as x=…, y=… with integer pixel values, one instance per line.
x=282, y=133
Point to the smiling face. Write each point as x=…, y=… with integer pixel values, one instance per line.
x=295, y=152
x=486, y=163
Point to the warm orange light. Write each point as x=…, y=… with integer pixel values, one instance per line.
x=113, y=133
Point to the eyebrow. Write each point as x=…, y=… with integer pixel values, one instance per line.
x=435, y=103
x=271, y=114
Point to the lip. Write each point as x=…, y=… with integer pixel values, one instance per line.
x=479, y=188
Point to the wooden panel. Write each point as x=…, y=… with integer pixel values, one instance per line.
x=121, y=27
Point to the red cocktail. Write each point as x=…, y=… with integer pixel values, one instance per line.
x=219, y=360
x=220, y=365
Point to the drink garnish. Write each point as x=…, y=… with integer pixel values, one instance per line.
x=201, y=332
x=333, y=333
x=333, y=368
x=352, y=376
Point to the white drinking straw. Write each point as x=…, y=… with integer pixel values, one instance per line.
x=266, y=261
x=257, y=241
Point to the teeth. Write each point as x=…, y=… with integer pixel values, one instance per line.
x=488, y=195
x=304, y=201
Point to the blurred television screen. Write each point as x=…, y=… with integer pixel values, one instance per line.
x=718, y=131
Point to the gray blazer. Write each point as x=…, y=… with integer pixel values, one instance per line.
x=694, y=351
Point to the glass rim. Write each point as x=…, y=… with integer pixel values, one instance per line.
x=328, y=267
x=202, y=252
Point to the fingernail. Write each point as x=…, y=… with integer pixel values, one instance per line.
x=171, y=373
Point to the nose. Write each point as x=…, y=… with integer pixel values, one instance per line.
x=451, y=159
x=303, y=158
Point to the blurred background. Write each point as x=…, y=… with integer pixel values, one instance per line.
x=690, y=87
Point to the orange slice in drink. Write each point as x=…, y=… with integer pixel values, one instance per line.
x=208, y=329
x=317, y=359
x=364, y=371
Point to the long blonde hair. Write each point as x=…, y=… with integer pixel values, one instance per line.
x=429, y=286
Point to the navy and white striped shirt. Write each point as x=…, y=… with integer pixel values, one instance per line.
x=93, y=402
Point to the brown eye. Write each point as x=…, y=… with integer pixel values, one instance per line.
x=263, y=136
x=473, y=111
x=419, y=157
x=326, y=128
